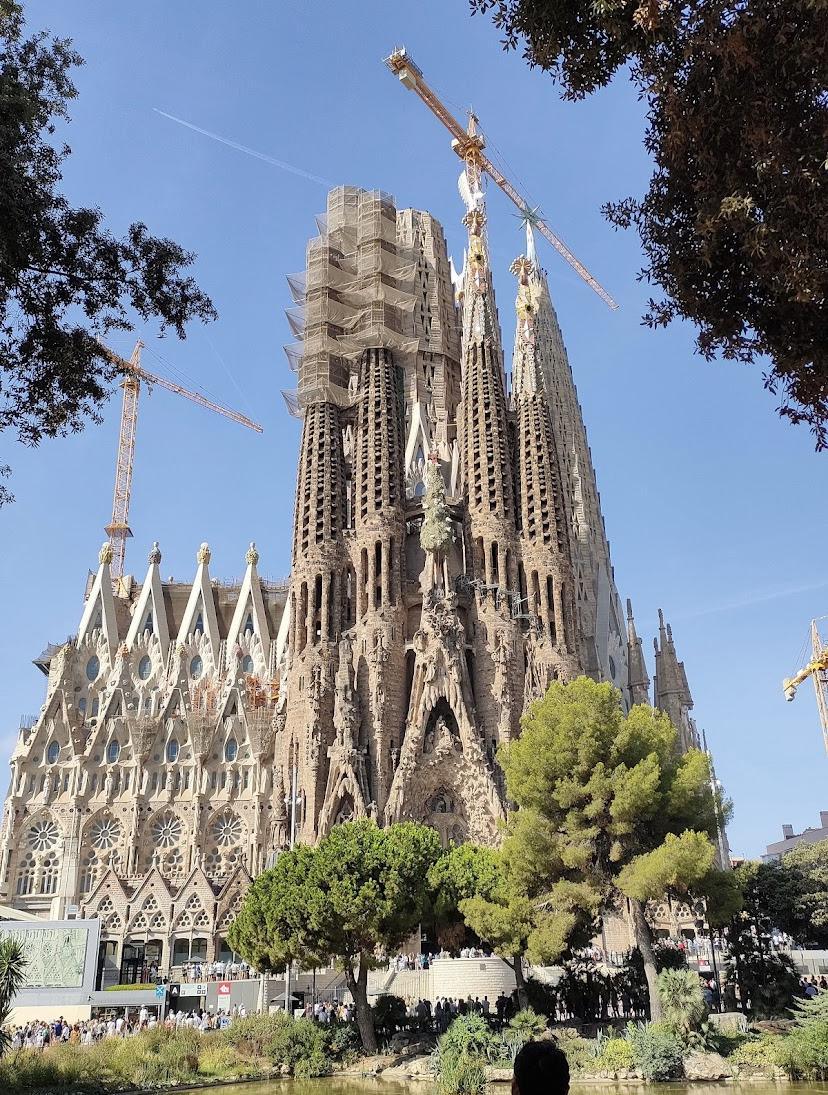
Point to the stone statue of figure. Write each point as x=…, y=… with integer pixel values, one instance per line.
x=372, y=811
x=48, y=785
x=436, y=531
x=108, y=784
x=395, y=757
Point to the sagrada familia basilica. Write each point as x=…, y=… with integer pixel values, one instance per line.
x=449, y=561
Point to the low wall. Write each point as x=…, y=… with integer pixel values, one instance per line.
x=810, y=962
x=449, y=977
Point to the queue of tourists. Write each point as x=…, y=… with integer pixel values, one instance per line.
x=38, y=1034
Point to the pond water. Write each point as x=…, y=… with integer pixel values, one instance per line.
x=351, y=1085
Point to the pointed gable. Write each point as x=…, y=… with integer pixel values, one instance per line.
x=250, y=612
x=200, y=613
x=99, y=611
x=149, y=615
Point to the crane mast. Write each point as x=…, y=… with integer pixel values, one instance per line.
x=469, y=145
x=817, y=669
x=118, y=529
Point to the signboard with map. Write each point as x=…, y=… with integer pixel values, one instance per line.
x=56, y=954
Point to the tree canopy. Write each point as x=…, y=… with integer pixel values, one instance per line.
x=359, y=892
x=609, y=807
x=65, y=279
x=734, y=225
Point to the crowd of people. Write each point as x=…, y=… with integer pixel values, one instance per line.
x=400, y=962
x=196, y=972
x=810, y=987
x=38, y=1034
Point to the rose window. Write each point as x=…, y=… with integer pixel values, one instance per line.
x=227, y=830
x=166, y=831
x=43, y=835
x=105, y=833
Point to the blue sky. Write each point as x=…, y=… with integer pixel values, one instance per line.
x=714, y=507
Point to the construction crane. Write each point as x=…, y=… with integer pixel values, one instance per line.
x=468, y=143
x=817, y=668
x=118, y=529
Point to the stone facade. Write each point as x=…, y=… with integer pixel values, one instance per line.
x=449, y=561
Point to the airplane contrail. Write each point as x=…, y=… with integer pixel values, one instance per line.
x=248, y=151
x=751, y=599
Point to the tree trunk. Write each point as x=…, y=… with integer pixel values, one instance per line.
x=644, y=939
x=520, y=981
x=358, y=987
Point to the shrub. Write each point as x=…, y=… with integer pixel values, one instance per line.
x=219, y=1060
x=657, y=1050
x=344, y=1042
x=461, y=1074
x=467, y=1034
x=300, y=1045
x=542, y=996
x=681, y=998
x=804, y=1053
x=757, y=1054
x=579, y=1052
x=253, y=1035
x=527, y=1024
x=616, y=1056
x=389, y=1014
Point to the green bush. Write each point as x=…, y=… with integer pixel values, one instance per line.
x=543, y=998
x=461, y=1074
x=616, y=1056
x=527, y=1024
x=657, y=1050
x=579, y=1052
x=804, y=1052
x=253, y=1035
x=219, y=1060
x=757, y=1054
x=468, y=1034
x=344, y=1042
x=389, y=1014
x=300, y=1045
x=681, y=998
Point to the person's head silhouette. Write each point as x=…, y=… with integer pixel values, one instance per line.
x=541, y=1068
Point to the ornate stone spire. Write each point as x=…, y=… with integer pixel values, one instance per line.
x=154, y=557
x=252, y=555
x=639, y=680
x=671, y=691
x=105, y=554
x=204, y=554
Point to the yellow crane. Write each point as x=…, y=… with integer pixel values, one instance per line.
x=817, y=669
x=469, y=144
x=118, y=529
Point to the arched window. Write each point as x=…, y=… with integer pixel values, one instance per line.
x=113, y=751
x=231, y=749
x=82, y=706
x=145, y=667
x=95, y=706
x=53, y=752
x=148, y=624
x=247, y=664
x=199, y=625
x=196, y=667
x=49, y=875
x=248, y=624
x=25, y=875
x=93, y=668
x=172, y=750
